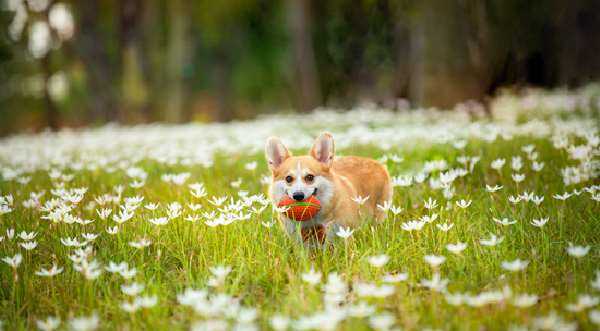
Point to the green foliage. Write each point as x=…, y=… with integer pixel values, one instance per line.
x=267, y=265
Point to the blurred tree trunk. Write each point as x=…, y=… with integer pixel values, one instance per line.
x=402, y=46
x=176, y=60
x=443, y=72
x=222, y=72
x=52, y=115
x=416, y=60
x=100, y=73
x=133, y=84
x=305, y=71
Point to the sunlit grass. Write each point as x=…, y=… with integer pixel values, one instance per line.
x=267, y=265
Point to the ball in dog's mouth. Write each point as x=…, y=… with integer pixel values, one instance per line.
x=302, y=210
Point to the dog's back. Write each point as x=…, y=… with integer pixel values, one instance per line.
x=368, y=177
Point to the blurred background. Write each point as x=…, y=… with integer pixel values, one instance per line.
x=89, y=62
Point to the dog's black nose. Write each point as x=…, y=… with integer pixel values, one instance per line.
x=298, y=196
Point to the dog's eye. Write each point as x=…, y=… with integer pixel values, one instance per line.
x=309, y=178
x=289, y=179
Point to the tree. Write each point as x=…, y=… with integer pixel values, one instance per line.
x=303, y=59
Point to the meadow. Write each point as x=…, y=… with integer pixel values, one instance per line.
x=493, y=224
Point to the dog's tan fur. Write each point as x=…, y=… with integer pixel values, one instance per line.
x=346, y=177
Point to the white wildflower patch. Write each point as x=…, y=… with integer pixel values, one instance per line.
x=172, y=226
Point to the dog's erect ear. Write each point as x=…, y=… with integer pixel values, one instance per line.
x=324, y=150
x=275, y=152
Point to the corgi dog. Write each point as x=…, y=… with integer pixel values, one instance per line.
x=338, y=183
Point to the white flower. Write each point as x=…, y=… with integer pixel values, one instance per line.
x=116, y=267
x=412, y=225
x=402, y=181
x=552, y=321
x=190, y=297
x=596, y=282
x=197, y=190
x=220, y=271
x=210, y=325
x=177, y=179
x=123, y=216
x=49, y=324
x=595, y=316
x=562, y=197
x=492, y=241
x=344, y=232
x=29, y=245
x=13, y=261
x=583, y=302
x=385, y=207
x=395, y=210
x=395, y=278
x=312, y=277
x=504, y=221
x=360, y=310
x=236, y=183
x=84, y=323
x=360, y=200
x=128, y=273
x=382, y=322
x=434, y=260
x=516, y=163
x=518, y=177
x=112, y=230
x=267, y=224
x=140, y=243
x=55, y=270
x=27, y=236
x=429, y=218
x=104, y=213
x=528, y=149
x=279, y=322
x=577, y=251
x=372, y=290
x=159, y=221
x=89, y=269
x=378, y=261
x=436, y=283
x=497, y=164
x=525, y=300
x=540, y=222
x=430, y=204
x=514, y=200
x=148, y=301
x=336, y=289
x=174, y=210
x=463, y=203
x=129, y=307
x=251, y=166
x=516, y=265
x=456, y=248
x=537, y=200
x=137, y=184
x=445, y=226
x=217, y=201
x=219, y=275
x=537, y=166
x=493, y=189
x=151, y=206
x=132, y=289
x=455, y=299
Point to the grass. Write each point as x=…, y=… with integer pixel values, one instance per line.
x=267, y=265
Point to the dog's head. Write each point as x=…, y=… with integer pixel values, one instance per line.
x=299, y=177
